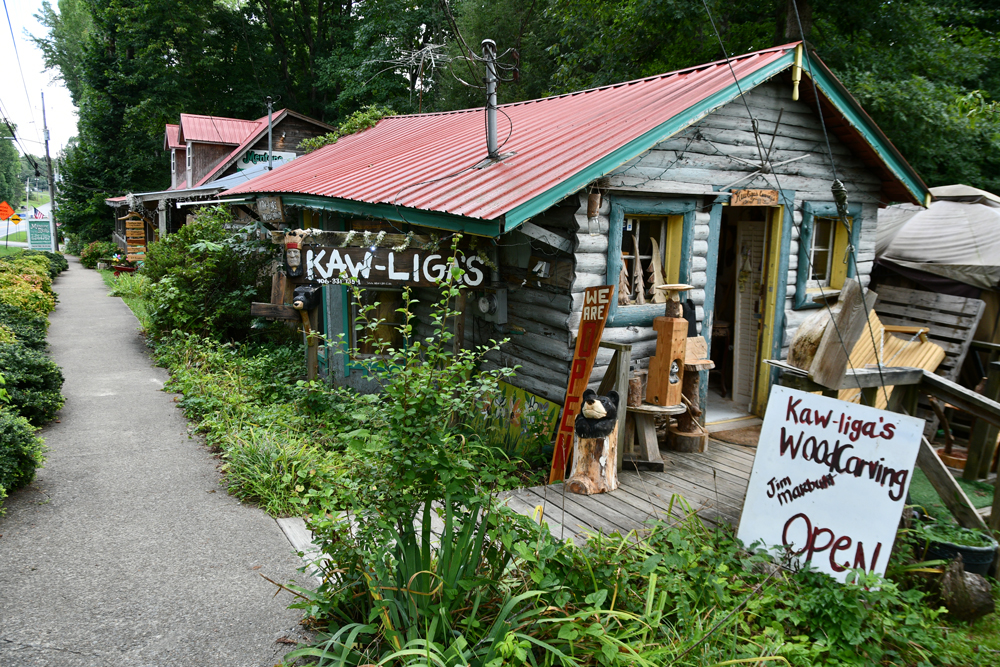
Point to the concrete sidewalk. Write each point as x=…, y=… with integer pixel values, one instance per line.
x=126, y=550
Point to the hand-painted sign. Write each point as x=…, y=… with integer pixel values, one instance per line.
x=754, y=198
x=270, y=209
x=5, y=210
x=829, y=482
x=253, y=157
x=596, y=301
x=384, y=266
x=135, y=235
x=516, y=417
x=137, y=223
x=40, y=236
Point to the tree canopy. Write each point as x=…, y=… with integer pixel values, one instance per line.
x=927, y=72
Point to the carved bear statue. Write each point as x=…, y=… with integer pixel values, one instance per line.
x=598, y=415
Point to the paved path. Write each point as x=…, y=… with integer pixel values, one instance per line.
x=126, y=550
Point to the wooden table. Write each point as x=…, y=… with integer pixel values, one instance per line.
x=640, y=427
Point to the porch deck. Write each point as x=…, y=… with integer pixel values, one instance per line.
x=713, y=483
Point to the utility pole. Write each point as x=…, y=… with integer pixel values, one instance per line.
x=52, y=179
x=490, y=56
x=270, y=160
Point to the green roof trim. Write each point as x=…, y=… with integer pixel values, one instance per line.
x=447, y=221
x=825, y=81
x=644, y=142
x=855, y=114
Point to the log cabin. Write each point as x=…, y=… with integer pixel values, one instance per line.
x=718, y=176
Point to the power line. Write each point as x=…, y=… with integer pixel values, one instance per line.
x=13, y=43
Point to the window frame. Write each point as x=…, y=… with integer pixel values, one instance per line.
x=805, y=287
x=635, y=206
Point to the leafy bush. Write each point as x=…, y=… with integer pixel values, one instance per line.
x=33, y=382
x=358, y=121
x=74, y=245
x=95, y=252
x=28, y=265
x=57, y=261
x=27, y=293
x=20, y=452
x=205, y=277
x=132, y=286
x=29, y=328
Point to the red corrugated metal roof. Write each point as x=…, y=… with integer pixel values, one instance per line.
x=215, y=129
x=244, y=145
x=170, y=138
x=427, y=161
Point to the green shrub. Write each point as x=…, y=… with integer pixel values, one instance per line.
x=33, y=382
x=27, y=293
x=205, y=277
x=57, y=261
x=74, y=245
x=132, y=286
x=29, y=328
x=28, y=265
x=20, y=451
x=95, y=252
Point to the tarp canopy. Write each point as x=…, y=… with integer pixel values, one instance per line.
x=959, y=240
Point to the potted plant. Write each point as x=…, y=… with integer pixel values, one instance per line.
x=944, y=541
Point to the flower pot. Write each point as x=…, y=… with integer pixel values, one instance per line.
x=977, y=560
x=954, y=460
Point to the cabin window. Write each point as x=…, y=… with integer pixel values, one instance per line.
x=823, y=246
x=651, y=255
x=173, y=161
x=188, y=159
x=821, y=252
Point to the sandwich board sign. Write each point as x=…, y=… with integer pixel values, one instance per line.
x=41, y=235
x=829, y=482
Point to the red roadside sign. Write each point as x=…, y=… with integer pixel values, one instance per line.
x=5, y=211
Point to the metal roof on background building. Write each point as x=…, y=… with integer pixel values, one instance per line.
x=216, y=129
x=170, y=140
x=555, y=146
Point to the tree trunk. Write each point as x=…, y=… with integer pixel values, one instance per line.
x=594, y=465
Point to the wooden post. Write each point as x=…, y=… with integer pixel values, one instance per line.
x=617, y=378
x=666, y=368
x=952, y=495
x=595, y=468
x=983, y=440
x=689, y=436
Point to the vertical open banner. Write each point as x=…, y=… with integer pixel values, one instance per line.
x=829, y=482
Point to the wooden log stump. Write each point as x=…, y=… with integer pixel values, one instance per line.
x=595, y=464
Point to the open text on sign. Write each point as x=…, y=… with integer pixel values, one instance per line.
x=829, y=482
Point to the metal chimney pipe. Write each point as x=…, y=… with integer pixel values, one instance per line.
x=270, y=159
x=490, y=55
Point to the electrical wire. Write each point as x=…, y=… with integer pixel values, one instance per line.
x=852, y=252
x=24, y=82
x=764, y=163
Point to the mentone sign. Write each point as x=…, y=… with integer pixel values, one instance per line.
x=385, y=267
x=829, y=482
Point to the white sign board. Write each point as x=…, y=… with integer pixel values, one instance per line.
x=40, y=234
x=829, y=482
x=254, y=157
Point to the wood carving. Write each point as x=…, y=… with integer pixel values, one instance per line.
x=624, y=287
x=640, y=286
x=666, y=368
x=656, y=265
x=595, y=445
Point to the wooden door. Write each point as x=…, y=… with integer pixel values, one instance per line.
x=750, y=243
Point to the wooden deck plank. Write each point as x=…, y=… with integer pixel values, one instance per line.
x=570, y=513
x=737, y=462
x=527, y=509
x=723, y=473
x=591, y=513
x=721, y=464
x=697, y=497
